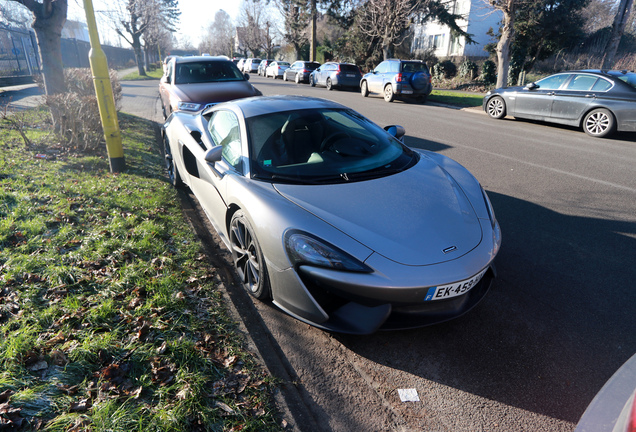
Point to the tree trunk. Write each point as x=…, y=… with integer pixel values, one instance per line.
x=618, y=28
x=48, y=31
x=312, y=49
x=503, y=46
x=139, y=55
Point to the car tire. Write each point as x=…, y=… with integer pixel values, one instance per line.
x=364, y=89
x=248, y=257
x=312, y=81
x=388, y=93
x=284, y=76
x=496, y=107
x=173, y=172
x=297, y=79
x=328, y=84
x=599, y=123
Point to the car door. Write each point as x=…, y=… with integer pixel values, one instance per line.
x=211, y=184
x=535, y=100
x=576, y=96
x=375, y=80
x=293, y=70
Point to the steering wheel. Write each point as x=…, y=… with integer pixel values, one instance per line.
x=331, y=139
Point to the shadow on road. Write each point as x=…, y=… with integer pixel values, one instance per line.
x=558, y=323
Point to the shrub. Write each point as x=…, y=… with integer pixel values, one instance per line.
x=468, y=69
x=444, y=70
x=489, y=72
x=76, y=113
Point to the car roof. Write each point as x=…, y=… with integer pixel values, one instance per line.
x=193, y=59
x=259, y=105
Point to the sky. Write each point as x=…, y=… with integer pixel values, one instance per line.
x=196, y=15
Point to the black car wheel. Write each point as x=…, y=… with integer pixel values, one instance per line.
x=328, y=84
x=247, y=257
x=496, y=107
x=173, y=173
x=388, y=93
x=364, y=90
x=599, y=123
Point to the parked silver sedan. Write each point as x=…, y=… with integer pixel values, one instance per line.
x=332, y=217
x=599, y=102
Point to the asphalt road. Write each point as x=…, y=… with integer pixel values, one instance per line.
x=558, y=322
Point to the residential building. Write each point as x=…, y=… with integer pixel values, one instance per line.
x=479, y=17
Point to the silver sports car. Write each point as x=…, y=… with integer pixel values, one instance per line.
x=332, y=217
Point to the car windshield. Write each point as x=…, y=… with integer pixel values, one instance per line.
x=318, y=146
x=628, y=77
x=204, y=72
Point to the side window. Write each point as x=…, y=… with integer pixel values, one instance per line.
x=295, y=65
x=382, y=67
x=395, y=66
x=602, y=85
x=582, y=82
x=224, y=130
x=553, y=82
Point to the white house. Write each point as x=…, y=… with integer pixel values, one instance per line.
x=479, y=17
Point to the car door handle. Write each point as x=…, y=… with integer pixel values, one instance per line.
x=590, y=95
x=551, y=94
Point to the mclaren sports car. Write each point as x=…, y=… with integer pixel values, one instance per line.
x=332, y=217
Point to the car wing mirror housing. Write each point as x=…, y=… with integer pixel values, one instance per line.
x=532, y=86
x=396, y=130
x=247, y=76
x=214, y=154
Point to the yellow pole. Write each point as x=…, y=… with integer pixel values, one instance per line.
x=104, y=91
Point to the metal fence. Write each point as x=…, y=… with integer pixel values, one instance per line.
x=19, y=54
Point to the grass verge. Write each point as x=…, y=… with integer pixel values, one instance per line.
x=462, y=99
x=151, y=75
x=110, y=316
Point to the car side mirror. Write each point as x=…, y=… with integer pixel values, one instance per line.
x=247, y=76
x=396, y=130
x=214, y=154
x=164, y=79
x=532, y=86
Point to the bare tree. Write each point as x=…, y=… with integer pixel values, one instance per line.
x=49, y=17
x=296, y=19
x=220, y=35
x=133, y=19
x=251, y=21
x=508, y=7
x=387, y=20
x=618, y=28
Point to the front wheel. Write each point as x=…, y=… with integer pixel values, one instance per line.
x=248, y=258
x=173, y=173
x=496, y=108
x=312, y=81
x=388, y=93
x=599, y=123
x=364, y=90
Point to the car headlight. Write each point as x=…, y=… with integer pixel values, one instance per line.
x=496, y=229
x=188, y=106
x=305, y=249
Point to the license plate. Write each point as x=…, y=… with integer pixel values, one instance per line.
x=350, y=75
x=443, y=292
x=407, y=91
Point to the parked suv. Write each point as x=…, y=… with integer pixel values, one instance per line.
x=299, y=71
x=398, y=79
x=336, y=75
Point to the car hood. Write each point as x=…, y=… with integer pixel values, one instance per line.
x=214, y=92
x=417, y=217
